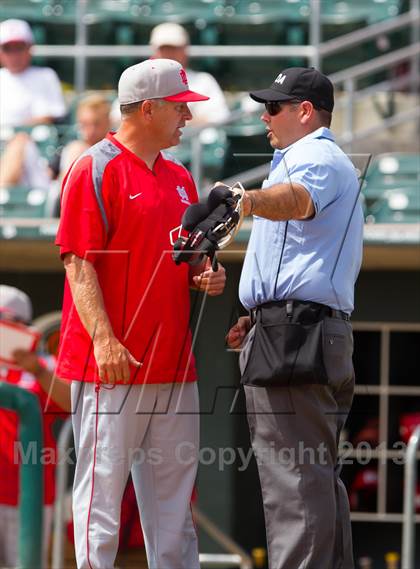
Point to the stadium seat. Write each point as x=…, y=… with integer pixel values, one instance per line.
x=213, y=149
x=397, y=171
x=26, y=203
x=400, y=205
x=30, y=10
x=48, y=11
x=18, y=201
x=117, y=10
x=246, y=145
x=391, y=189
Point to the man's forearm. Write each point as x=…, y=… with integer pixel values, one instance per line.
x=112, y=358
x=46, y=119
x=279, y=202
x=57, y=388
x=87, y=296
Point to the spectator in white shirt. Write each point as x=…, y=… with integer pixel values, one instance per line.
x=171, y=41
x=29, y=96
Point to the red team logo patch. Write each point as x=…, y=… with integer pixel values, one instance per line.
x=184, y=77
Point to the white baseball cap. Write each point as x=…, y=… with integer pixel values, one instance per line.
x=169, y=33
x=156, y=79
x=15, y=303
x=15, y=31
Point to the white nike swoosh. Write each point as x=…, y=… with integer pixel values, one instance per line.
x=135, y=196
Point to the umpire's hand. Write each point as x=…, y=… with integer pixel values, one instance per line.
x=237, y=333
x=209, y=281
x=113, y=359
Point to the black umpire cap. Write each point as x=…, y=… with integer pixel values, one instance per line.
x=299, y=83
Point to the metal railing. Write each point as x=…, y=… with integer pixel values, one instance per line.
x=31, y=513
x=351, y=76
x=410, y=479
x=315, y=53
x=235, y=556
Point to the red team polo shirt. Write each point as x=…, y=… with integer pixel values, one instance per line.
x=118, y=214
x=9, y=434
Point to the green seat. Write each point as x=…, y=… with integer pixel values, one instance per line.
x=213, y=150
x=30, y=10
x=341, y=12
x=247, y=145
x=265, y=11
x=394, y=168
x=389, y=172
x=23, y=202
x=47, y=11
x=400, y=205
x=117, y=10
x=184, y=11
x=12, y=232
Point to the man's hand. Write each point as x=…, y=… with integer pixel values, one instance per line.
x=209, y=281
x=29, y=361
x=56, y=388
x=113, y=360
x=237, y=333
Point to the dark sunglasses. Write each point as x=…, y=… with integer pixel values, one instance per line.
x=14, y=47
x=275, y=107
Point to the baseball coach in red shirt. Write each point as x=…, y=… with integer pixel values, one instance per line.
x=125, y=339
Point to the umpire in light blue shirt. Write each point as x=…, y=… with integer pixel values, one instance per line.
x=297, y=282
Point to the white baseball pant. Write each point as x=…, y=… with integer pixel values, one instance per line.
x=152, y=431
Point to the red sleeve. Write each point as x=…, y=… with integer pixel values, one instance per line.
x=83, y=219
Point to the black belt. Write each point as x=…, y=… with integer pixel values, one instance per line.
x=290, y=304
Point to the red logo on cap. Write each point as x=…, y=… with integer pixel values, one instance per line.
x=184, y=77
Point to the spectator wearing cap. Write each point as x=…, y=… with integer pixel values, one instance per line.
x=126, y=343
x=29, y=96
x=303, y=258
x=170, y=41
x=33, y=373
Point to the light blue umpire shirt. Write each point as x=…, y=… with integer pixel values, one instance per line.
x=317, y=259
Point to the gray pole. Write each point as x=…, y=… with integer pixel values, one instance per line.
x=415, y=37
x=81, y=42
x=61, y=475
x=410, y=479
x=315, y=33
x=349, y=85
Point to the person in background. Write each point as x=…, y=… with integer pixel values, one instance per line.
x=171, y=41
x=93, y=123
x=29, y=96
x=34, y=374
